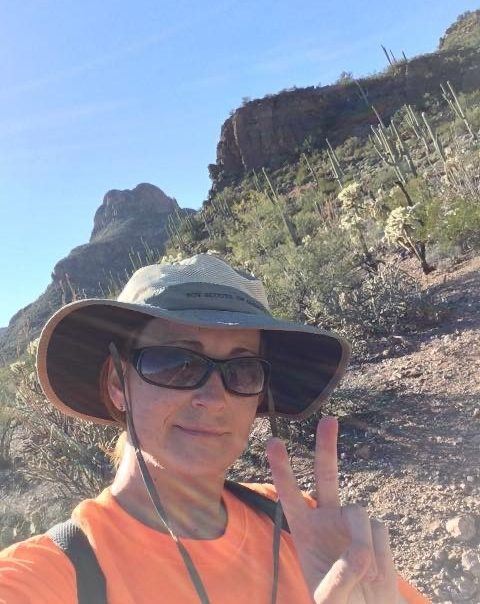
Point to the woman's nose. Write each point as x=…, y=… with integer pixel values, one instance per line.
x=212, y=394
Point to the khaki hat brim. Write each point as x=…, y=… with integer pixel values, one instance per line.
x=307, y=363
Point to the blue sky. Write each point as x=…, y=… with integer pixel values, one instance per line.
x=103, y=95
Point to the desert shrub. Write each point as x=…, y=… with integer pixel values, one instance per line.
x=471, y=104
x=8, y=426
x=350, y=149
x=323, y=282
x=303, y=175
x=72, y=454
x=8, y=420
x=365, y=306
x=452, y=217
x=257, y=229
x=15, y=526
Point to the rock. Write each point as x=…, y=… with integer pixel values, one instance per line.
x=471, y=563
x=363, y=452
x=461, y=527
x=465, y=587
x=413, y=373
x=443, y=592
x=440, y=555
x=119, y=206
x=387, y=516
x=476, y=413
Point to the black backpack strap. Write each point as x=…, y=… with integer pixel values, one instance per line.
x=91, y=586
x=257, y=501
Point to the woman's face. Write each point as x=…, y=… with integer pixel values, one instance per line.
x=193, y=431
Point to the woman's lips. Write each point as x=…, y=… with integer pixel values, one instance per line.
x=201, y=431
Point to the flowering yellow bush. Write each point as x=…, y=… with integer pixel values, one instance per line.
x=171, y=259
x=349, y=195
x=351, y=222
x=399, y=220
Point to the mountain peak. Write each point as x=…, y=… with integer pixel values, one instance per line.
x=119, y=206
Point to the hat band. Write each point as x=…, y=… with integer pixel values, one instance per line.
x=205, y=296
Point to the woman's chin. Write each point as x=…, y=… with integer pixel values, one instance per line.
x=190, y=463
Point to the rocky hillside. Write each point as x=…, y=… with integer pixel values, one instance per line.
x=464, y=33
x=129, y=227
x=274, y=130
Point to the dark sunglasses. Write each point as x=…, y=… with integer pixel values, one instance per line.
x=183, y=369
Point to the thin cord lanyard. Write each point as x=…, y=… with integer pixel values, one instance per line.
x=277, y=526
x=162, y=514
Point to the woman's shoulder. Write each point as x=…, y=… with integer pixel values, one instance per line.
x=263, y=488
x=36, y=570
x=40, y=546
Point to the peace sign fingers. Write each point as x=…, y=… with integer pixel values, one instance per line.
x=326, y=465
x=285, y=483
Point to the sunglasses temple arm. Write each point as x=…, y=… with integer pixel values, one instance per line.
x=149, y=485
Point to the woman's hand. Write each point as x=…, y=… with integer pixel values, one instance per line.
x=345, y=556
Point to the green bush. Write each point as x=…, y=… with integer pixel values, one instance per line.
x=72, y=454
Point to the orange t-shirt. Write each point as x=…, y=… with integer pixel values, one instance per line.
x=143, y=566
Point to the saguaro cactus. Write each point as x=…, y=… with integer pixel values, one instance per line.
x=280, y=207
x=335, y=163
x=449, y=95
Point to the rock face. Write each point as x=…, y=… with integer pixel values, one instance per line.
x=120, y=207
x=126, y=224
x=464, y=32
x=129, y=227
x=271, y=131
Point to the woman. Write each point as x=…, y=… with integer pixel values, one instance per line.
x=185, y=359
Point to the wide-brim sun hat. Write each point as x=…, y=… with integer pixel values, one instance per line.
x=307, y=363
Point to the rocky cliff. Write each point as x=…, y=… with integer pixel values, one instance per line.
x=129, y=227
x=271, y=131
x=465, y=32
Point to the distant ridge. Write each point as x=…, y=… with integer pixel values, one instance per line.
x=128, y=226
x=274, y=130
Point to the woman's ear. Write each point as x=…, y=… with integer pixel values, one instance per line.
x=114, y=386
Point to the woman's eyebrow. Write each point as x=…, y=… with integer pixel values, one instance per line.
x=175, y=341
x=196, y=344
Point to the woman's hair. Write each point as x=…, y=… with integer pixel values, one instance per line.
x=116, y=453
x=124, y=347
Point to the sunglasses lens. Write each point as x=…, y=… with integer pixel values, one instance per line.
x=171, y=367
x=244, y=376
x=180, y=368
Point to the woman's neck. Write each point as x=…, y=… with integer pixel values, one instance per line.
x=193, y=505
